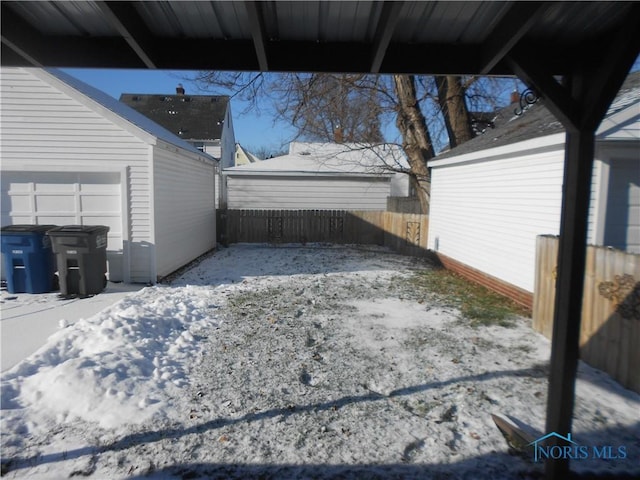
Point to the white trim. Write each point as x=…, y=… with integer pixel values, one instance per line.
x=629, y=114
x=47, y=167
x=538, y=144
x=126, y=225
x=600, y=213
x=153, y=267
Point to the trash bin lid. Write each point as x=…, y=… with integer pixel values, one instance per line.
x=78, y=230
x=22, y=229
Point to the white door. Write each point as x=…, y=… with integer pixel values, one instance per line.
x=67, y=198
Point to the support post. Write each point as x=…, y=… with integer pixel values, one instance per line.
x=565, y=349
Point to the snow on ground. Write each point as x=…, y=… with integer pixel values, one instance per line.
x=292, y=362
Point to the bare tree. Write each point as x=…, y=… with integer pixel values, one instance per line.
x=328, y=107
x=451, y=97
x=416, y=140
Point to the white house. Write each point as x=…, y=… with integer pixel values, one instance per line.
x=244, y=156
x=71, y=154
x=323, y=176
x=493, y=195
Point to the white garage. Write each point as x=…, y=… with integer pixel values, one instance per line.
x=492, y=196
x=73, y=155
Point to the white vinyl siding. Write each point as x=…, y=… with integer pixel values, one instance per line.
x=307, y=192
x=185, y=218
x=45, y=129
x=487, y=214
x=99, y=159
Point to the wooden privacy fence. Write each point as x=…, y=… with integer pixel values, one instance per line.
x=401, y=231
x=610, y=324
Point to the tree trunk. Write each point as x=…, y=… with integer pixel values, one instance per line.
x=454, y=109
x=416, y=140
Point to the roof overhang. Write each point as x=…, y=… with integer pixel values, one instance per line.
x=466, y=37
x=576, y=54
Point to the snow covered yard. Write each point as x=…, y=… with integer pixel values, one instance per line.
x=293, y=362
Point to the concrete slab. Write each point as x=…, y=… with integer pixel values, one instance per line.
x=27, y=320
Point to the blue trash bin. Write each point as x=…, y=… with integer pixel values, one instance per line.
x=28, y=258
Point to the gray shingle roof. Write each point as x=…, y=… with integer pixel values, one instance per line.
x=536, y=121
x=191, y=117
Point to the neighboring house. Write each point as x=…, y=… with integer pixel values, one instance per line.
x=202, y=120
x=72, y=154
x=493, y=195
x=321, y=176
x=244, y=157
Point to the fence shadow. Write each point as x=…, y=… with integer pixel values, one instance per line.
x=491, y=465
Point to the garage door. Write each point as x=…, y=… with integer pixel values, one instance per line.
x=66, y=198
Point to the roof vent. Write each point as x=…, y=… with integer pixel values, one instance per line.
x=179, y=89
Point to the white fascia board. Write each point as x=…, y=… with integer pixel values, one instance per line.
x=631, y=114
x=505, y=151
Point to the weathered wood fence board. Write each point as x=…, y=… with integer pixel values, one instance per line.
x=610, y=324
x=401, y=231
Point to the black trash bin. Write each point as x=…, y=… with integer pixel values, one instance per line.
x=81, y=255
x=28, y=259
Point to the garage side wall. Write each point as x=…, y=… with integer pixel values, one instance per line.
x=487, y=214
x=306, y=192
x=63, y=159
x=184, y=204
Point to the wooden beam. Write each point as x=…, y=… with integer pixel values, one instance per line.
x=557, y=99
x=565, y=349
x=125, y=19
x=17, y=35
x=579, y=157
x=389, y=17
x=256, y=25
x=512, y=27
